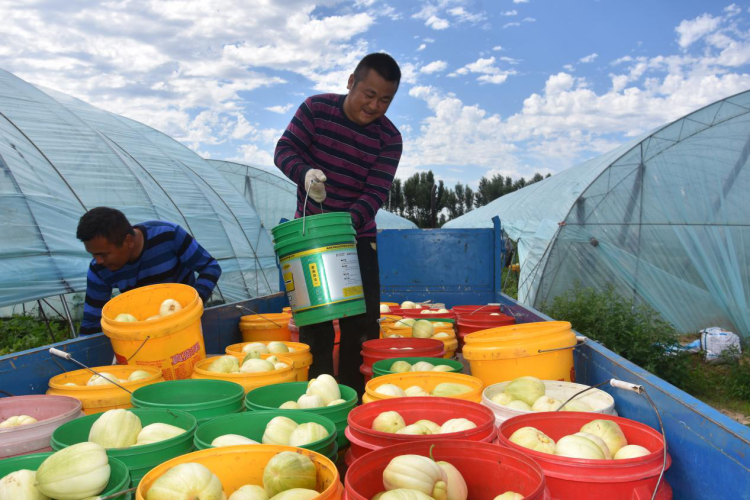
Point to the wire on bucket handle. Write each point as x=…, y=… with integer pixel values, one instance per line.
x=487, y=305
x=258, y=314
x=304, y=205
x=580, y=340
x=69, y=357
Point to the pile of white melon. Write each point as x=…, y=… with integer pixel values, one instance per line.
x=420, y=366
x=416, y=477
x=287, y=476
x=528, y=393
x=168, y=307
x=321, y=391
x=17, y=421
x=252, y=362
x=106, y=378
x=279, y=431
x=123, y=429
x=597, y=440
x=420, y=328
x=393, y=423
x=442, y=390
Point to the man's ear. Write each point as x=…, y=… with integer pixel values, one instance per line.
x=350, y=85
x=129, y=241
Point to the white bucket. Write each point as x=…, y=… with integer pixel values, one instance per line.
x=600, y=401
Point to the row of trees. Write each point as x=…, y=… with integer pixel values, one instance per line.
x=431, y=204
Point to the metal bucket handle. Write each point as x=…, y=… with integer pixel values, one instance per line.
x=258, y=314
x=580, y=340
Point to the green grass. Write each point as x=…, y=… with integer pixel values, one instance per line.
x=22, y=332
x=636, y=332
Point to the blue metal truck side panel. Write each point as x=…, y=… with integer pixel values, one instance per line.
x=710, y=452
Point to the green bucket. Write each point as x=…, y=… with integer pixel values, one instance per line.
x=253, y=424
x=271, y=397
x=320, y=268
x=119, y=477
x=202, y=398
x=383, y=367
x=138, y=459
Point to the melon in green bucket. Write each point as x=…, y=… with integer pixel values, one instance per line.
x=320, y=267
x=383, y=367
x=138, y=459
x=202, y=398
x=119, y=476
x=252, y=424
x=271, y=397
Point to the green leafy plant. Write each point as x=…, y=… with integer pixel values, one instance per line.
x=22, y=332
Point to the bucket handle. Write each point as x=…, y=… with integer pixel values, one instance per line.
x=118, y=494
x=580, y=340
x=258, y=314
x=139, y=348
x=69, y=357
x=486, y=305
x=304, y=205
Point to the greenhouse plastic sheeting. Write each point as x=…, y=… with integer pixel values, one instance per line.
x=60, y=157
x=664, y=219
x=275, y=197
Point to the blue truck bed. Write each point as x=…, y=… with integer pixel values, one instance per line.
x=710, y=452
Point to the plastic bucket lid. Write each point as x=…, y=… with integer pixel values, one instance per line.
x=489, y=470
x=598, y=400
x=119, y=477
x=383, y=367
x=581, y=479
x=201, y=398
x=139, y=459
x=427, y=381
x=271, y=397
x=248, y=381
x=253, y=424
x=236, y=466
x=50, y=411
x=364, y=438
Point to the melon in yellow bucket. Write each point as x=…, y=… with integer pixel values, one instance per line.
x=249, y=381
x=301, y=356
x=543, y=350
x=173, y=343
x=427, y=381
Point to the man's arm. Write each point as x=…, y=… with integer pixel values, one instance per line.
x=291, y=150
x=97, y=294
x=378, y=183
x=198, y=260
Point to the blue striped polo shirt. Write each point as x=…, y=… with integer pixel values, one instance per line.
x=170, y=255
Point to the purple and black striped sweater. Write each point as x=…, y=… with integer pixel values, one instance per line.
x=359, y=162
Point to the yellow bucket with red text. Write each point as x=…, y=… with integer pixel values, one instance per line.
x=173, y=343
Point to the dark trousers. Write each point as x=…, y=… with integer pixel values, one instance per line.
x=354, y=329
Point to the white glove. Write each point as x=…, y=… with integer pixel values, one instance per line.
x=314, y=184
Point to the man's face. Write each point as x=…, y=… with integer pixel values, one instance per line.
x=368, y=98
x=108, y=254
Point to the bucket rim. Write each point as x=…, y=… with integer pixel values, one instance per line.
x=233, y=386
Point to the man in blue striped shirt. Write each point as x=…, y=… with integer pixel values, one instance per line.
x=129, y=257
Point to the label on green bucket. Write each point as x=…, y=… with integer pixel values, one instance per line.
x=322, y=276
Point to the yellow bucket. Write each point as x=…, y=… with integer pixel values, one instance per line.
x=173, y=343
x=269, y=326
x=543, y=350
x=427, y=381
x=236, y=466
x=450, y=342
x=100, y=398
x=301, y=356
x=249, y=381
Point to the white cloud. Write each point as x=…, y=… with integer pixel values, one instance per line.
x=509, y=13
x=693, y=30
x=520, y=1
x=251, y=154
x=589, y=58
x=280, y=109
x=428, y=40
x=569, y=68
x=434, y=67
x=437, y=23
x=496, y=79
x=529, y=20
x=497, y=48
x=463, y=16
x=421, y=47
x=510, y=25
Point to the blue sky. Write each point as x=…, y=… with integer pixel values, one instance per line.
x=506, y=86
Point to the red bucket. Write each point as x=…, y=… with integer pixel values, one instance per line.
x=375, y=350
x=488, y=470
x=462, y=310
x=581, y=479
x=364, y=439
x=480, y=321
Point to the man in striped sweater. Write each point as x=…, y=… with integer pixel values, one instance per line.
x=128, y=257
x=344, y=150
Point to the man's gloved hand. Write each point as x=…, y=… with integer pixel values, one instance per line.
x=314, y=184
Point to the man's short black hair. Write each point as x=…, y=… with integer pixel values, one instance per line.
x=382, y=63
x=107, y=222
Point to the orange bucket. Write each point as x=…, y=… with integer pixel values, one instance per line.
x=172, y=343
x=269, y=326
